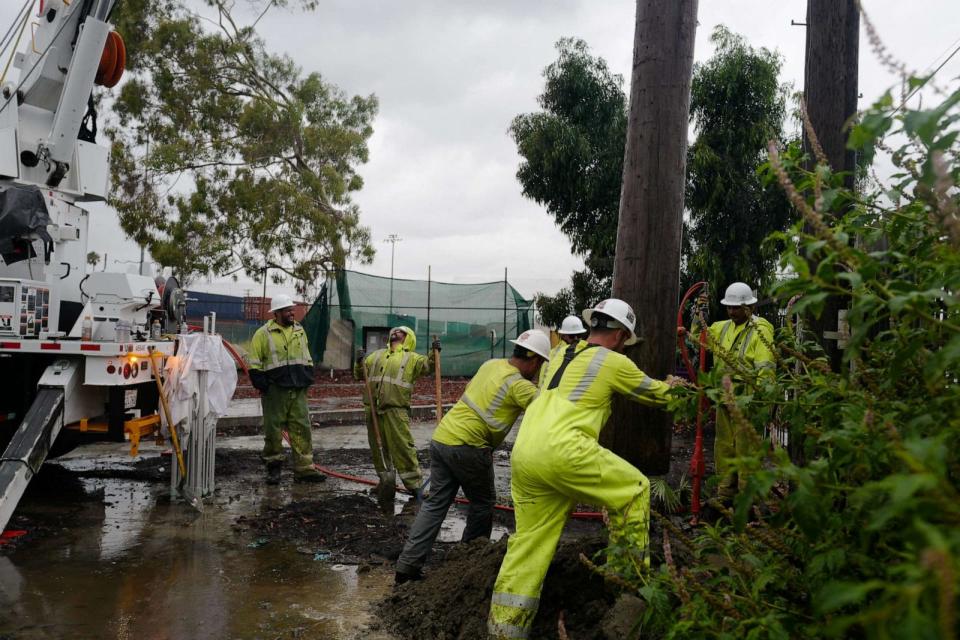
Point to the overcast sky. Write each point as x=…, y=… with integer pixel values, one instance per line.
x=451, y=75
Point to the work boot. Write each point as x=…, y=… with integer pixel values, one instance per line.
x=403, y=576
x=273, y=472
x=315, y=476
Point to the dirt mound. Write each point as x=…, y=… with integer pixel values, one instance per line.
x=453, y=600
x=340, y=529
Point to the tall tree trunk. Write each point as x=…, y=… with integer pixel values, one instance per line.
x=646, y=270
x=830, y=92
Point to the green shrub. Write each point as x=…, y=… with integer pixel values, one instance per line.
x=857, y=534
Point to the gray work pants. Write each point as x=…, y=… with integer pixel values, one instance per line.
x=452, y=468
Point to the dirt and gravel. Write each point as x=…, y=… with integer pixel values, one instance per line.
x=453, y=600
x=343, y=528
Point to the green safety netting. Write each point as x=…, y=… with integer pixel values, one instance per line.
x=472, y=320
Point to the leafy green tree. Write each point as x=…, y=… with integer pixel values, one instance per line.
x=854, y=528
x=573, y=164
x=227, y=157
x=93, y=259
x=736, y=104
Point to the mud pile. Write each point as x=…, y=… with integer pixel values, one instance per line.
x=453, y=600
x=342, y=529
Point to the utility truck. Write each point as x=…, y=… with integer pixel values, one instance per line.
x=75, y=347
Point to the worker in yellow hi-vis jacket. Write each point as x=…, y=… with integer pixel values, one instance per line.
x=557, y=463
x=282, y=370
x=392, y=372
x=745, y=338
x=461, y=451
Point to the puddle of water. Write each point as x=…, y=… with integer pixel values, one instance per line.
x=128, y=563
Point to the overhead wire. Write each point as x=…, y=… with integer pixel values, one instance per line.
x=929, y=77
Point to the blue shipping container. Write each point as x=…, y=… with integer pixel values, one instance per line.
x=200, y=304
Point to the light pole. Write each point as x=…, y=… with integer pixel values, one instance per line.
x=393, y=239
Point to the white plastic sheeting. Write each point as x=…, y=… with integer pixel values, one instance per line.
x=199, y=352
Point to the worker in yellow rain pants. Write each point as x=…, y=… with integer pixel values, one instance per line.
x=392, y=372
x=746, y=338
x=557, y=462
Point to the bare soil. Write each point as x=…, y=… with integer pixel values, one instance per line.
x=453, y=600
x=344, y=528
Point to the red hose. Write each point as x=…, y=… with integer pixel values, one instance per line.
x=697, y=462
x=579, y=515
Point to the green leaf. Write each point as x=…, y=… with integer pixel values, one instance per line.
x=841, y=593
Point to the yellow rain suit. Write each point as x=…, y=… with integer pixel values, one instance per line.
x=392, y=373
x=744, y=344
x=557, y=463
x=281, y=368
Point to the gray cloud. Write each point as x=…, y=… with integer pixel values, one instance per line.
x=450, y=76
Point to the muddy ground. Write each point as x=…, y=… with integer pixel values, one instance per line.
x=338, y=523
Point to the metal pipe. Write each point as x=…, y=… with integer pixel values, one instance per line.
x=504, y=312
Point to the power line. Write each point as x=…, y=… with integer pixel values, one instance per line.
x=928, y=78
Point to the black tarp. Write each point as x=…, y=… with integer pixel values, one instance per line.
x=22, y=212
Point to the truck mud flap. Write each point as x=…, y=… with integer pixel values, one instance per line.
x=29, y=448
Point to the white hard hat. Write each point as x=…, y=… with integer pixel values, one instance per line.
x=281, y=301
x=571, y=326
x=536, y=341
x=619, y=311
x=739, y=293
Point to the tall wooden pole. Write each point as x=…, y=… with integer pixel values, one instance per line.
x=645, y=270
x=830, y=92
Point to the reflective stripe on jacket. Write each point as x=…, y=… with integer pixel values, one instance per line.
x=744, y=343
x=581, y=403
x=392, y=373
x=489, y=406
x=283, y=354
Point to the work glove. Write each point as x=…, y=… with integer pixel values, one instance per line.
x=436, y=345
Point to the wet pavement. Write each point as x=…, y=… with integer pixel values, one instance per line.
x=115, y=557
x=119, y=559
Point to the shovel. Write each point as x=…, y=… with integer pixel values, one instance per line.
x=387, y=488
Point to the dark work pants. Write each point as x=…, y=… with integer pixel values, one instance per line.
x=452, y=468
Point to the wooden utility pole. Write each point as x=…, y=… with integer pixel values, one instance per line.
x=646, y=269
x=830, y=92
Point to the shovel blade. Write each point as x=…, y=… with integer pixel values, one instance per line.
x=387, y=491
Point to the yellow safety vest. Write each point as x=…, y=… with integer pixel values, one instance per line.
x=283, y=354
x=392, y=373
x=744, y=343
x=580, y=403
x=488, y=408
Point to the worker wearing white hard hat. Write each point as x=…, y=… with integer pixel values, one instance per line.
x=282, y=370
x=462, y=446
x=557, y=463
x=572, y=330
x=746, y=338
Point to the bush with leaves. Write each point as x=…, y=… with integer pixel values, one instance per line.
x=857, y=534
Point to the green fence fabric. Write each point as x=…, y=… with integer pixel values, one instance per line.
x=316, y=324
x=473, y=321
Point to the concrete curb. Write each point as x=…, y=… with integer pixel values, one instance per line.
x=331, y=417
